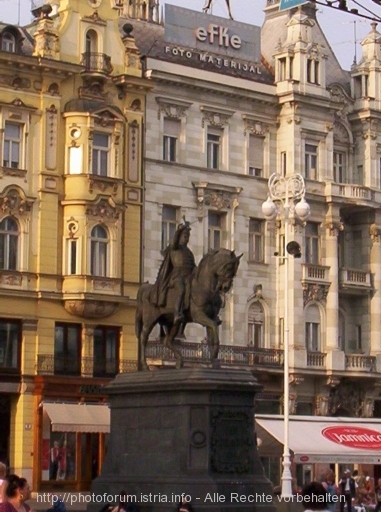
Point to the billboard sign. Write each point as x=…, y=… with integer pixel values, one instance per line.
x=289, y=4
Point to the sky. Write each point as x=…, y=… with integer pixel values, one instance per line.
x=341, y=28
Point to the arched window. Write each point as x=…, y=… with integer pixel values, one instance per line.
x=312, y=328
x=8, y=42
x=99, y=246
x=91, y=41
x=9, y=239
x=256, y=325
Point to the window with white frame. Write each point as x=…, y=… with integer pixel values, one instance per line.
x=12, y=151
x=213, y=148
x=312, y=328
x=8, y=42
x=215, y=230
x=101, y=154
x=168, y=225
x=9, y=241
x=255, y=156
x=256, y=240
x=99, y=249
x=310, y=161
x=312, y=251
x=171, y=136
x=339, y=167
x=256, y=325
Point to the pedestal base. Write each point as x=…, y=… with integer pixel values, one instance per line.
x=185, y=432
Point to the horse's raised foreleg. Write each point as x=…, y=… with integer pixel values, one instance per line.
x=168, y=342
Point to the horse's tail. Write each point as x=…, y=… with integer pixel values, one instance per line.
x=142, y=293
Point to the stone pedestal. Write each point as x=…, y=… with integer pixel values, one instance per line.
x=190, y=432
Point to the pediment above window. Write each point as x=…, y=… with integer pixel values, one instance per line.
x=254, y=126
x=174, y=109
x=14, y=201
x=104, y=210
x=215, y=116
x=216, y=197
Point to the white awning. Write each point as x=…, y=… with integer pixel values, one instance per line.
x=321, y=439
x=78, y=417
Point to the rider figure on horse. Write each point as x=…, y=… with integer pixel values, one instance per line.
x=175, y=272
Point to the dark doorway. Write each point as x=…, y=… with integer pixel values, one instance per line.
x=5, y=428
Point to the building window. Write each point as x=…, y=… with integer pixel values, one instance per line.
x=313, y=71
x=10, y=344
x=255, y=156
x=311, y=161
x=215, y=230
x=282, y=66
x=106, y=351
x=339, y=167
x=170, y=139
x=67, y=349
x=312, y=243
x=255, y=325
x=9, y=238
x=99, y=245
x=312, y=328
x=8, y=42
x=213, y=148
x=168, y=225
x=73, y=256
x=283, y=163
x=101, y=154
x=256, y=240
x=12, y=145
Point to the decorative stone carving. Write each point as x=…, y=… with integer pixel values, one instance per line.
x=15, y=202
x=104, y=210
x=254, y=126
x=370, y=128
x=334, y=227
x=171, y=108
x=316, y=292
x=17, y=82
x=346, y=397
x=213, y=118
x=218, y=197
x=91, y=308
x=295, y=379
x=10, y=278
x=322, y=405
x=230, y=442
x=333, y=381
x=95, y=18
x=102, y=184
x=374, y=232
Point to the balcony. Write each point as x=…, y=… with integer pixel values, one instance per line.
x=354, y=280
x=353, y=194
x=359, y=362
x=316, y=359
x=48, y=364
x=228, y=355
x=315, y=273
x=98, y=63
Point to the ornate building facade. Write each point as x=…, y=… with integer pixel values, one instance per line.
x=72, y=110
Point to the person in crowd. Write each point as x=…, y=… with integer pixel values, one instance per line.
x=331, y=489
x=3, y=474
x=314, y=497
x=125, y=505
x=57, y=505
x=377, y=492
x=185, y=506
x=16, y=493
x=366, y=492
x=347, y=486
x=54, y=460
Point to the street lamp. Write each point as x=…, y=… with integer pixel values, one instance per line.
x=286, y=197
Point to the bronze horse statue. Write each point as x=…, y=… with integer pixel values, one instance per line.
x=209, y=4
x=209, y=282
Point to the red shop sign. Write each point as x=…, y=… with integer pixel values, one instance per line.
x=354, y=437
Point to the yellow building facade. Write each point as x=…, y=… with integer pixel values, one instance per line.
x=71, y=120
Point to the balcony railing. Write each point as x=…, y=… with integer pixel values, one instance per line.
x=315, y=273
x=360, y=362
x=316, y=359
x=351, y=191
x=228, y=354
x=94, y=62
x=355, y=278
x=48, y=364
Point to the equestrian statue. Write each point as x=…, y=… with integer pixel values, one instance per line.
x=184, y=293
x=208, y=5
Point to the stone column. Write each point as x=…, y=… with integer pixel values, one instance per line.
x=375, y=302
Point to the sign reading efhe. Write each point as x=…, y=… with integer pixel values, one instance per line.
x=220, y=35
x=354, y=437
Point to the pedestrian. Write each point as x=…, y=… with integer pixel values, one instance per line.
x=331, y=489
x=125, y=504
x=185, y=506
x=57, y=505
x=3, y=474
x=347, y=486
x=314, y=497
x=377, y=492
x=14, y=497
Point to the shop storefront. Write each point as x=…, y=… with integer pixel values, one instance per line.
x=318, y=443
x=72, y=444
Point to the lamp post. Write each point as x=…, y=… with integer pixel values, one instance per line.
x=285, y=199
